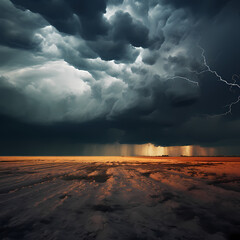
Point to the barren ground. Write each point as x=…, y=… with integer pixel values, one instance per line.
x=119, y=198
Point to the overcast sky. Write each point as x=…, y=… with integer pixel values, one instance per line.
x=73, y=73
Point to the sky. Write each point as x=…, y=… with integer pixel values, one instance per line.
x=97, y=77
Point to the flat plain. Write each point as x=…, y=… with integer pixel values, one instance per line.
x=119, y=198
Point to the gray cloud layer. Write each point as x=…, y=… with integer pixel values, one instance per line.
x=119, y=71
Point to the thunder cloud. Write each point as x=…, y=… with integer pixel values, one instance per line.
x=125, y=71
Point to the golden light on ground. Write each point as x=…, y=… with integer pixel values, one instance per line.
x=115, y=197
x=151, y=150
x=144, y=150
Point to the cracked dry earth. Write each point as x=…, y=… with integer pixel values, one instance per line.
x=119, y=198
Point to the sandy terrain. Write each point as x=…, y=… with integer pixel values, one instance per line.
x=119, y=198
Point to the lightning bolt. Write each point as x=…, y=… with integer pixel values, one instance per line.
x=234, y=84
x=230, y=106
x=234, y=80
x=184, y=78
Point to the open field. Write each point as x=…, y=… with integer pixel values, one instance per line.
x=119, y=198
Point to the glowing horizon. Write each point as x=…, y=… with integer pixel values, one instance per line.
x=146, y=150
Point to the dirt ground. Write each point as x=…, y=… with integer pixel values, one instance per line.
x=119, y=198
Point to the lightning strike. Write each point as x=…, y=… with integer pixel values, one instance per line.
x=184, y=78
x=234, y=80
x=213, y=71
x=229, y=109
x=230, y=106
x=234, y=84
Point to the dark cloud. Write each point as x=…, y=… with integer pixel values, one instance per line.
x=181, y=92
x=71, y=17
x=126, y=29
x=201, y=7
x=17, y=28
x=86, y=18
x=11, y=100
x=114, y=50
x=150, y=58
x=115, y=2
x=119, y=71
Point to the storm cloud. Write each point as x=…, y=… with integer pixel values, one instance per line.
x=125, y=71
